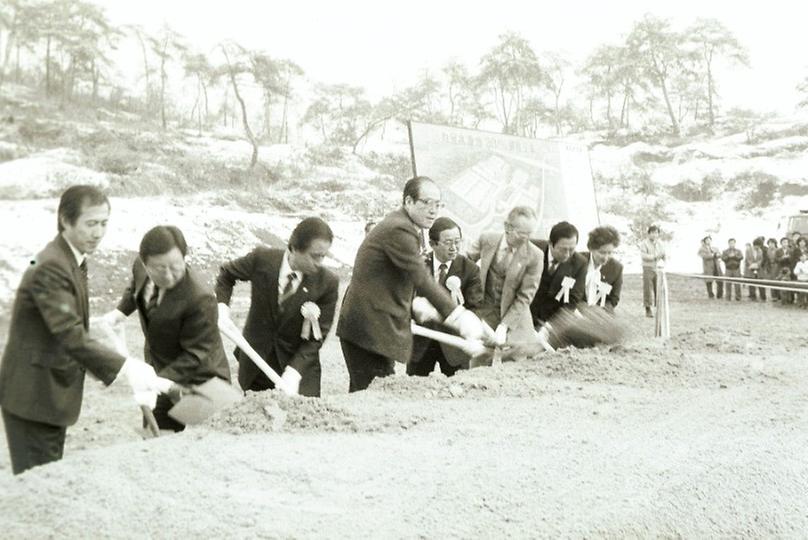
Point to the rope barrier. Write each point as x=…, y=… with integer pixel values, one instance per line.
x=760, y=283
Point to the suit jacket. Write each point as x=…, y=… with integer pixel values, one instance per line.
x=274, y=332
x=521, y=281
x=545, y=305
x=611, y=273
x=182, y=334
x=377, y=308
x=48, y=349
x=469, y=275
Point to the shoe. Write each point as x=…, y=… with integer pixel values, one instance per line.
x=648, y=313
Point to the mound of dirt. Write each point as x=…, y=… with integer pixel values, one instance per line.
x=274, y=411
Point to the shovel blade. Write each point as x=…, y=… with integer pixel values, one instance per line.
x=204, y=401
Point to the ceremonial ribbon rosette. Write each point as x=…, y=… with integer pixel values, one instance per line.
x=453, y=284
x=603, y=289
x=566, y=285
x=311, y=321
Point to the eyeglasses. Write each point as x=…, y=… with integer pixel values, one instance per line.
x=451, y=243
x=510, y=229
x=432, y=204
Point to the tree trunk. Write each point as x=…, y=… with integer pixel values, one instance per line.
x=247, y=130
x=671, y=114
x=163, y=77
x=96, y=76
x=710, y=113
x=47, y=66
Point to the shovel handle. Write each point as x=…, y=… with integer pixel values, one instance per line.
x=151, y=421
x=228, y=328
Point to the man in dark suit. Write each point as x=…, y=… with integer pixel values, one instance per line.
x=374, y=323
x=178, y=316
x=560, y=261
x=602, y=268
x=286, y=285
x=49, y=349
x=446, y=263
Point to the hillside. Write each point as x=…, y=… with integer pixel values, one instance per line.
x=730, y=184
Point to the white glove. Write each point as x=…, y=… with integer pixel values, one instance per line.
x=141, y=377
x=224, y=311
x=291, y=381
x=423, y=310
x=501, y=335
x=543, y=337
x=466, y=323
x=149, y=399
x=163, y=385
x=110, y=318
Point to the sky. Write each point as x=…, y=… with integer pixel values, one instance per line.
x=384, y=45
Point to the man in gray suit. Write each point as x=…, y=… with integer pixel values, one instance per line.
x=510, y=270
x=374, y=322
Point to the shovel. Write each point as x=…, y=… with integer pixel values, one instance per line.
x=229, y=329
x=475, y=349
x=196, y=403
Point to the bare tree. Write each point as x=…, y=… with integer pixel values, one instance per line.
x=555, y=74
x=714, y=40
x=511, y=69
x=659, y=50
x=234, y=67
x=168, y=46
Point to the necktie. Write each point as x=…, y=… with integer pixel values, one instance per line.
x=442, y=274
x=151, y=303
x=553, y=267
x=83, y=269
x=287, y=289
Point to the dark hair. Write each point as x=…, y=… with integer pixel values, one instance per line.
x=758, y=242
x=731, y=240
x=160, y=240
x=307, y=231
x=563, y=229
x=74, y=200
x=600, y=236
x=802, y=239
x=708, y=237
x=771, y=240
x=412, y=188
x=442, y=224
x=786, y=238
x=653, y=228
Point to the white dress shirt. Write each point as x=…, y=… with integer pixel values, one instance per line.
x=592, y=280
x=436, y=266
x=283, y=276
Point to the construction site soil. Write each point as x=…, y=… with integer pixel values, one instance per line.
x=701, y=435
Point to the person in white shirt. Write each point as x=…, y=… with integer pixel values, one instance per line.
x=801, y=271
x=653, y=256
x=604, y=274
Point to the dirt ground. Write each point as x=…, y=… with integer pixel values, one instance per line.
x=702, y=435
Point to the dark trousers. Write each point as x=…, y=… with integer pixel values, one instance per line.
x=760, y=290
x=432, y=355
x=719, y=289
x=734, y=273
x=32, y=443
x=164, y=421
x=649, y=286
x=364, y=366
